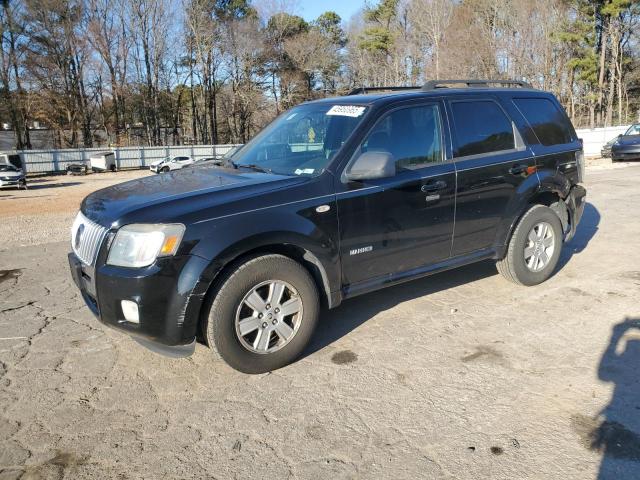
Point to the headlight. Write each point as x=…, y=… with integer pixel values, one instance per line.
x=138, y=245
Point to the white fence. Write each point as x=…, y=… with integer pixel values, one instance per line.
x=595, y=139
x=40, y=161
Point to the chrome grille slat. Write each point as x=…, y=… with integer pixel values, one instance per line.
x=90, y=240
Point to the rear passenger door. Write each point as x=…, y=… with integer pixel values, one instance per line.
x=492, y=162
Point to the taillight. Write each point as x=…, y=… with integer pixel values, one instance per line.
x=580, y=165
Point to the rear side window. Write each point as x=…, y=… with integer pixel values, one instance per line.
x=481, y=127
x=548, y=123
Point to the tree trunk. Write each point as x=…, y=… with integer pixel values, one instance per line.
x=602, y=64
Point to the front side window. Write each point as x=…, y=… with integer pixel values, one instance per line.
x=412, y=135
x=303, y=140
x=548, y=123
x=481, y=127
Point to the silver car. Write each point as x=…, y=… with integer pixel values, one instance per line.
x=11, y=176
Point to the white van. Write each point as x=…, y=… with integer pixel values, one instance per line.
x=102, y=162
x=12, y=159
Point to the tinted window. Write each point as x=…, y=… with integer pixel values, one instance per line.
x=548, y=123
x=412, y=135
x=481, y=127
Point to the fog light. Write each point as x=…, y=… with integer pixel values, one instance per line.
x=130, y=311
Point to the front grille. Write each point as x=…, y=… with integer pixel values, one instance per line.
x=86, y=238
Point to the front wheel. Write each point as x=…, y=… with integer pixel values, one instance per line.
x=263, y=314
x=534, y=248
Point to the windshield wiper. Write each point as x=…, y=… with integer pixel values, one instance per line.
x=252, y=166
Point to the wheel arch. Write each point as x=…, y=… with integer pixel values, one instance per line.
x=543, y=195
x=218, y=270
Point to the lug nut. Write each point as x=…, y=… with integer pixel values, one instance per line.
x=274, y=321
x=268, y=306
x=264, y=325
x=277, y=310
x=260, y=315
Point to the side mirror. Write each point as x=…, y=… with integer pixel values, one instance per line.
x=372, y=165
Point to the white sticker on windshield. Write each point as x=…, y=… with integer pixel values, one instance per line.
x=304, y=171
x=346, y=110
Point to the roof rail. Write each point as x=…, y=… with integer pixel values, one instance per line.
x=433, y=84
x=361, y=90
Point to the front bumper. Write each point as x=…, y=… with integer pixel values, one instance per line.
x=11, y=183
x=168, y=293
x=625, y=152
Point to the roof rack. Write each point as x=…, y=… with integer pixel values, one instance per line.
x=361, y=90
x=435, y=84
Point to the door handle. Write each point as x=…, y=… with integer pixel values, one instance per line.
x=517, y=169
x=434, y=186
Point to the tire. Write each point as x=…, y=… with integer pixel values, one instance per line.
x=247, y=353
x=164, y=169
x=533, y=271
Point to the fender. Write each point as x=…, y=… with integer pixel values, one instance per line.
x=516, y=207
x=310, y=235
x=547, y=182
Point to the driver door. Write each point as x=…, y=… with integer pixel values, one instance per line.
x=397, y=224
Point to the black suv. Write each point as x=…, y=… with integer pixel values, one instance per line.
x=335, y=198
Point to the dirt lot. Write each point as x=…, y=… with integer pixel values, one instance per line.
x=45, y=211
x=458, y=376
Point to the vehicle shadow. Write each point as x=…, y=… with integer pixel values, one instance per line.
x=587, y=229
x=52, y=185
x=615, y=432
x=339, y=322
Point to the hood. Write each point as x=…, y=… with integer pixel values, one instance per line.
x=629, y=140
x=174, y=195
x=158, y=162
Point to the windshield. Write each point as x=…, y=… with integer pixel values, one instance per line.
x=8, y=168
x=301, y=141
x=633, y=130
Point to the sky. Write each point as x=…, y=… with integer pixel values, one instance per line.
x=311, y=9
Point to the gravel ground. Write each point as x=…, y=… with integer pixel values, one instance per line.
x=44, y=213
x=458, y=376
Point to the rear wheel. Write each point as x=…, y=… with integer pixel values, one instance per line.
x=263, y=314
x=534, y=248
x=22, y=184
x=164, y=169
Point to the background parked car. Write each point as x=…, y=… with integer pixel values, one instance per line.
x=167, y=164
x=77, y=169
x=627, y=146
x=605, y=151
x=11, y=176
